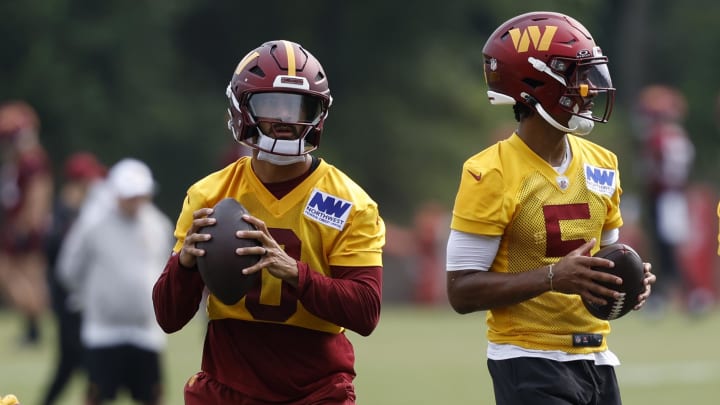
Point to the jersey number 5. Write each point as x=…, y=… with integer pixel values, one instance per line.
x=555, y=245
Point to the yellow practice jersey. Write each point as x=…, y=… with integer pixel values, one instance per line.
x=509, y=191
x=327, y=220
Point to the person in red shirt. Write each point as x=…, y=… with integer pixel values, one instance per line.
x=668, y=155
x=321, y=239
x=26, y=192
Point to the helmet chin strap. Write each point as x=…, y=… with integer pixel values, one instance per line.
x=287, y=147
x=576, y=125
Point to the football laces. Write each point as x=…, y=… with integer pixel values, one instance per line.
x=617, y=307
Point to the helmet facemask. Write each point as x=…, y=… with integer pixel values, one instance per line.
x=282, y=126
x=587, y=92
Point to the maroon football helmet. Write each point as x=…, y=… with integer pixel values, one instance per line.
x=279, y=86
x=551, y=63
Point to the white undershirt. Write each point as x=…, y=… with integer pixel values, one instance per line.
x=466, y=251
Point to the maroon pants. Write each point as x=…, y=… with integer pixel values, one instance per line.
x=203, y=389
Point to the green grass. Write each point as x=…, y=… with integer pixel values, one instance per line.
x=430, y=356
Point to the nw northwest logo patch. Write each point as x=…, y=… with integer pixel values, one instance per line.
x=600, y=180
x=328, y=209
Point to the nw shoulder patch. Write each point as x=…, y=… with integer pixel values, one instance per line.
x=328, y=209
x=600, y=180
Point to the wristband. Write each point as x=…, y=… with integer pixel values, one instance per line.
x=550, y=276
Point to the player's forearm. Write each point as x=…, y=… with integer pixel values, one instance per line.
x=176, y=295
x=471, y=291
x=351, y=298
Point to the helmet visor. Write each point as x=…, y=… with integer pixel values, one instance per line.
x=591, y=86
x=285, y=107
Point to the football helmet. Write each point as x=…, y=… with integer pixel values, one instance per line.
x=279, y=100
x=550, y=62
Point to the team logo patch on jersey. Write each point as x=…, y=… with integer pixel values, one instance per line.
x=328, y=209
x=600, y=180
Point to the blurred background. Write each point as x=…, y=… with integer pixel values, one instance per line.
x=147, y=79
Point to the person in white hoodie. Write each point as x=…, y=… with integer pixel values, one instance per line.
x=109, y=263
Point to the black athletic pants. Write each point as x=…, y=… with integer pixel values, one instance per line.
x=533, y=381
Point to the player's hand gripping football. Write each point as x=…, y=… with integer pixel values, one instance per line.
x=648, y=281
x=272, y=256
x=573, y=274
x=189, y=252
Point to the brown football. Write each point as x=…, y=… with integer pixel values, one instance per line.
x=629, y=267
x=220, y=267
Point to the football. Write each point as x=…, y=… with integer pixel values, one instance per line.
x=629, y=267
x=220, y=267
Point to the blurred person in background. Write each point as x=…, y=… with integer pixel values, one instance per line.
x=116, y=258
x=82, y=173
x=667, y=157
x=321, y=241
x=530, y=212
x=417, y=254
x=26, y=193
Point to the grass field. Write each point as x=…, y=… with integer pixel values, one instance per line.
x=430, y=356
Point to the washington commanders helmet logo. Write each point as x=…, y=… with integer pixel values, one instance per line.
x=531, y=35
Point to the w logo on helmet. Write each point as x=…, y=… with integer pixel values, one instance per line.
x=540, y=41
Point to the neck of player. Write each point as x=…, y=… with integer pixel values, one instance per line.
x=271, y=173
x=543, y=139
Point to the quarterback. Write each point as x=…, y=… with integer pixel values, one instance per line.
x=321, y=242
x=532, y=209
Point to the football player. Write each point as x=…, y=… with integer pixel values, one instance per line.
x=667, y=157
x=321, y=248
x=26, y=192
x=532, y=209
